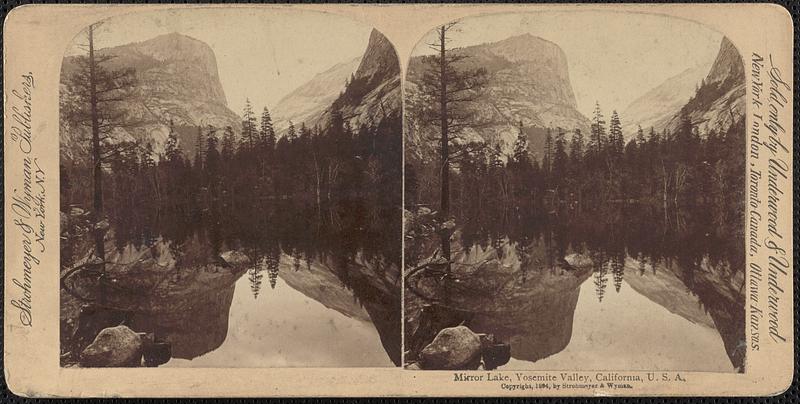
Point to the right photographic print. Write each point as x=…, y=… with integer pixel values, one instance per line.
x=575, y=195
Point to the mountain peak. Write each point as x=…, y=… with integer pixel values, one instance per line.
x=524, y=39
x=379, y=57
x=179, y=74
x=722, y=95
x=528, y=47
x=727, y=65
x=172, y=36
x=527, y=81
x=375, y=77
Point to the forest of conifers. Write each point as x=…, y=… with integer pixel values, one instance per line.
x=580, y=171
x=667, y=169
x=338, y=178
x=320, y=166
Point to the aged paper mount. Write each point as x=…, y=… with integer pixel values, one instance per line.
x=398, y=200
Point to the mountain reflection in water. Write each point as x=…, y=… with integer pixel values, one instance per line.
x=621, y=292
x=265, y=286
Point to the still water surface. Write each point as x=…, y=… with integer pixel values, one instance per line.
x=613, y=291
x=285, y=328
x=260, y=286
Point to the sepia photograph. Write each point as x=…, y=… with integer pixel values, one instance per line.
x=230, y=191
x=575, y=195
x=398, y=200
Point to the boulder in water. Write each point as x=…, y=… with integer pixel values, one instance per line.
x=114, y=347
x=453, y=348
x=102, y=225
x=234, y=258
x=76, y=211
x=579, y=260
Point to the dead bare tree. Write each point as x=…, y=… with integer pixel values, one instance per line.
x=96, y=97
x=442, y=94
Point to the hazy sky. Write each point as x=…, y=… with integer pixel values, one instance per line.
x=261, y=54
x=613, y=57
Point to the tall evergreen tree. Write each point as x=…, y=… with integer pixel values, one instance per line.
x=521, y=153
x=597, y=138
x=640, y=139
x=172, y=150
x=249, y=131
x=547, y=161
x=199, y=149
x=615, y=139
x=212, y=156
x=576, y=148
x=228, y=145
x=560, y=158
x=255, y=277
x=291, y=133
x=267, y=132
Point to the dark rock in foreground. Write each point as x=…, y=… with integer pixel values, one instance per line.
x=453, y=348
x=114, y=347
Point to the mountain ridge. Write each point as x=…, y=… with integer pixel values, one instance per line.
x=528, y=82
x=310, y=99
x=376, y=74
x=721, y=98
x=659, y=103
x=177, y=81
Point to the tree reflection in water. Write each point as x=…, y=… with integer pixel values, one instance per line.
x=518, y=275
x=175, y=270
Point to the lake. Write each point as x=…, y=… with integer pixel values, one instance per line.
x=613, y=291
x=270, y=285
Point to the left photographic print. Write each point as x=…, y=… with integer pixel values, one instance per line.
x=230, y=191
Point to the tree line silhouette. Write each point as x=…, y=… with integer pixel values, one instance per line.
x=320, y=166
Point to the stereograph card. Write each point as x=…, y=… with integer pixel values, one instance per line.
x=398, y=200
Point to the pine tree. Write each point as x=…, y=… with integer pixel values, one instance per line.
x=305, y=134
x=640, y=140
x=199, y=149
x=575, y=170
x=547, y=162
x=560, y=157
x=576, y=146
x=273, y=259
x=652, y=137
x=600, y=280
x=267, y=130
x=249, y=125
x=228, y=144
x=597, y=139
x=272, y=274
x=255, y=276
x=618, y=271
x=171, y=147
x=521, y=153
x=615, y=139
x=291, y=133
x=212, y=157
